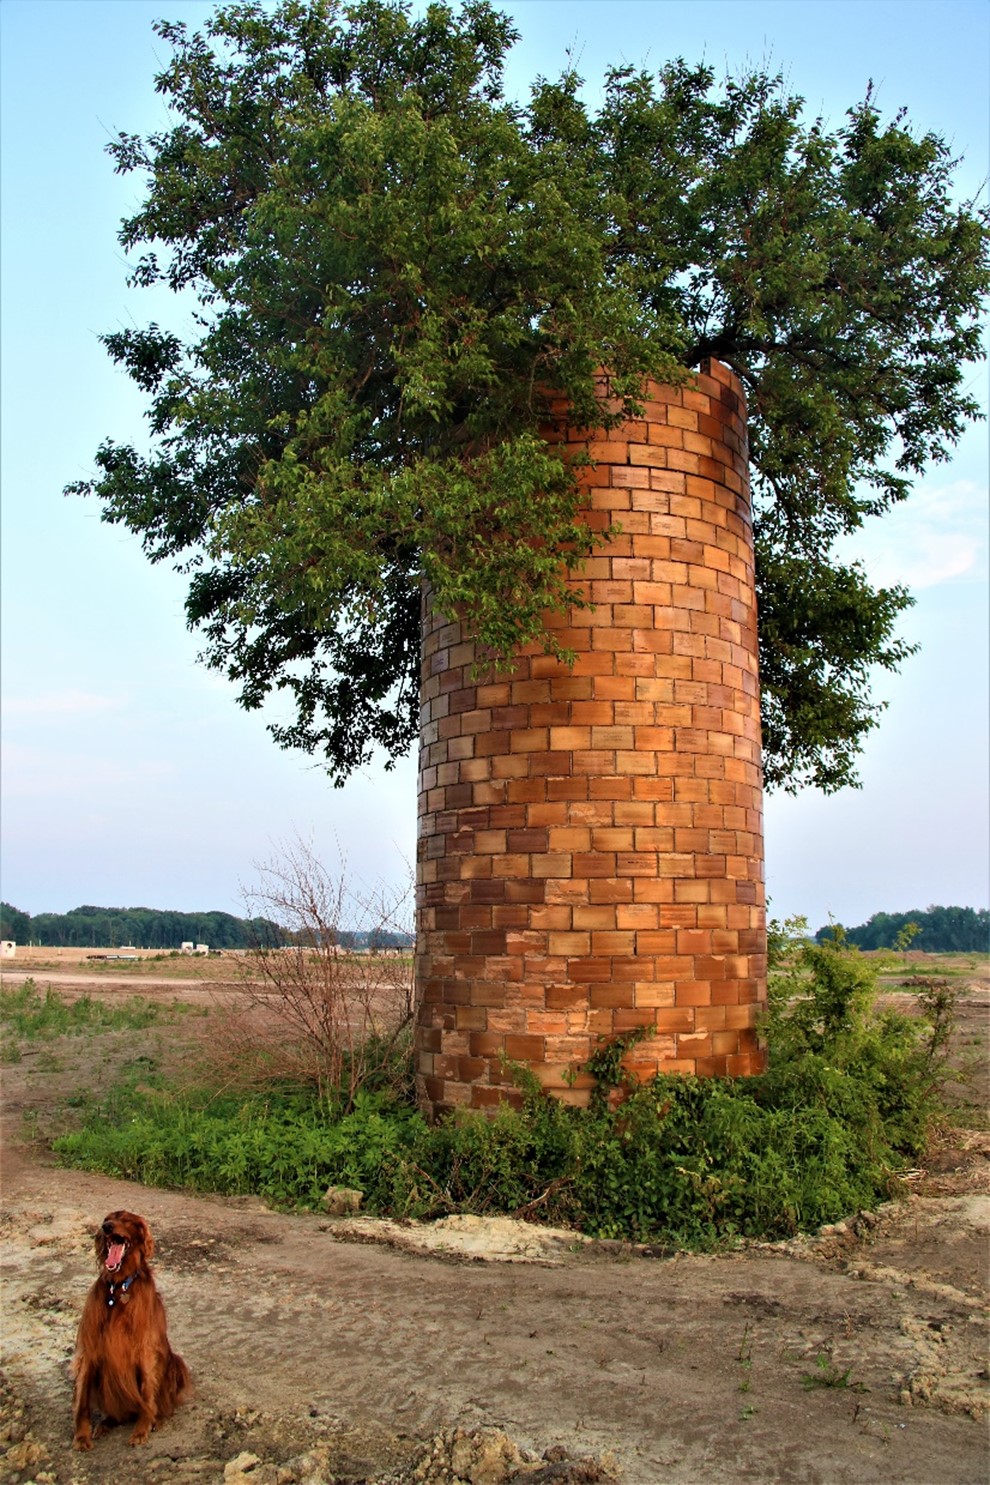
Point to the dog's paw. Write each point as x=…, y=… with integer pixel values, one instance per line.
x=82, y=1441
x=140, y=1434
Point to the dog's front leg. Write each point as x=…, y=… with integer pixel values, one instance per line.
x=81, y=1405
x=148, y=1381
x=146, y=1419
x=142, y=1428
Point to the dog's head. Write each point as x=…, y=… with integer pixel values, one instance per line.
x=123, y=1244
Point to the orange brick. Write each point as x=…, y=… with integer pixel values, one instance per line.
x=610, y=889
x=592, y=713
x=592, y=916
x=566, y=996
x=569, y=944
x=637, y=915
x=611, y=737
x=524, y=1048
x=553, y=864
x=661, y=941
x=612, y=942
x=692, y=992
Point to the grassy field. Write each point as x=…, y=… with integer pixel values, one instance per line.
x=915, y=964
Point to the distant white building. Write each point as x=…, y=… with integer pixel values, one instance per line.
x=190, y=948
x=8, y=948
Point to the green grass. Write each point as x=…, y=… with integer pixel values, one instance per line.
x=28, y=1016
x=828, y=1375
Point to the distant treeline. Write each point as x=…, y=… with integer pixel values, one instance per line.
x=155, y=928
x=942, y=930
x=145, y=928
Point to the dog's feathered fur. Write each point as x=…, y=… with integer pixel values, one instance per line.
x=124, y=1366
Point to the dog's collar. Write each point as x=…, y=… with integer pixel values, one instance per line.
x=122, y=1287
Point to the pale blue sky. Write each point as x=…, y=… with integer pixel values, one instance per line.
x=130, y=776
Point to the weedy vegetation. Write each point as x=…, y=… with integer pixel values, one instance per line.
x=28, y=1016
x=827, y=1374
x=848, y=1103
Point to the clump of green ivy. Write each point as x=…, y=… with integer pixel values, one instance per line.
x=847, y=1103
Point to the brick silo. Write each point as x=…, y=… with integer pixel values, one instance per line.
x=590, y=836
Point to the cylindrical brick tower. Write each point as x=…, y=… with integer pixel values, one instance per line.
x=590, y=836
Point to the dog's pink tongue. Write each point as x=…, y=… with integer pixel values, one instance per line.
x=115, y=1255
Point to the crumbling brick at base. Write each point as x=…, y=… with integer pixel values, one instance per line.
x=590, y=851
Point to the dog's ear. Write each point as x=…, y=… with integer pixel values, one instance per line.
x=143, y=1238
x=99, y=1237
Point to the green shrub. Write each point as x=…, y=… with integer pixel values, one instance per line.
x=283, y=1149
x=510, y=1161
x=877, y=1073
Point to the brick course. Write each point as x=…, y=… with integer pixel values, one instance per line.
x=590, y=837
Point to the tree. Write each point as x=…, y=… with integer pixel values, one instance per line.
x=938, y=930
x=395, y=267
x=150, y=928
x=14, y=924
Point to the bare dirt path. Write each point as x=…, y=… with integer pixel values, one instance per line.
x=336, y=1351
x=147, y=986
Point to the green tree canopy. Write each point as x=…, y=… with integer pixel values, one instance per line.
x=149, y=928
x=14, y=924
x=394, y=267
x=941, y=930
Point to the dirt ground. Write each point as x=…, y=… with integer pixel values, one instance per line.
x=348, y=1350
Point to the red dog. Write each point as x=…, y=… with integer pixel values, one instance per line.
x=124, y=1366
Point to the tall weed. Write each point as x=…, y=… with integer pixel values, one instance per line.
x=307, y=1009
x=876, y=1072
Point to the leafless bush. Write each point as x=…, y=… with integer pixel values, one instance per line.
x=309, y=1009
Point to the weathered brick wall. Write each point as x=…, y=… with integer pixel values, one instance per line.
x=590, y=846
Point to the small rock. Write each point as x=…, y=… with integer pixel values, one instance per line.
x=486, y=1457
x=244, y=1462
x=342, y=1201
x=22, y=1456
x=311, y=1468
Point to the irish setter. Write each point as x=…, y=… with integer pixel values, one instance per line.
x=124, y=1366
